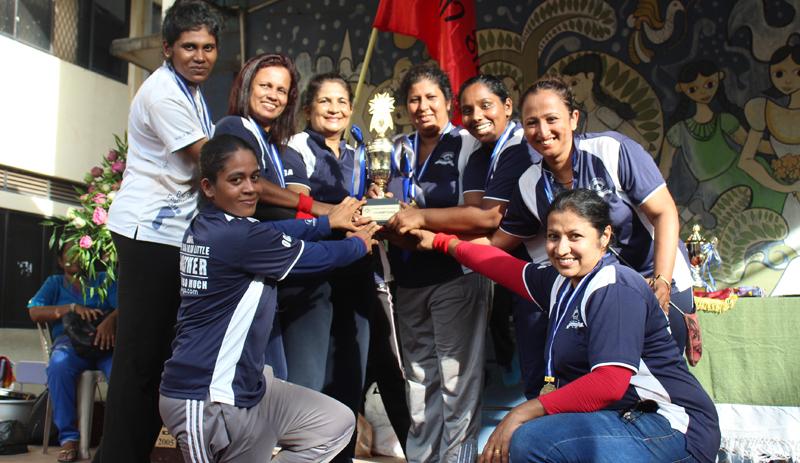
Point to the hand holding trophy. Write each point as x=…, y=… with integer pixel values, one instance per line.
x=379, y=159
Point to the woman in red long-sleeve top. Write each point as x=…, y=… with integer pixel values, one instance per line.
x=616, y=386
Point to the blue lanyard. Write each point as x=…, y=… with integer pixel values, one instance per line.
x=359, y=172
x=270, y=150
x=560, y=318
x=205, y=117
x=413, y=183
x=498, y=148
x=359, y=163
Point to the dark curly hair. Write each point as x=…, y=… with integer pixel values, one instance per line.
x=423, y=71
x=189, y=15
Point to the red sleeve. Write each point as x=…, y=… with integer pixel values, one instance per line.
x=495, y=264
x=589, y=393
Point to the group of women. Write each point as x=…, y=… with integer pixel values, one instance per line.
x=494, y=180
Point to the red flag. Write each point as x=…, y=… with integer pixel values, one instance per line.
x=447, y=27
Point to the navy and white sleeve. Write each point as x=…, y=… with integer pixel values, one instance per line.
x=638, y=174
x=327, y=255
x=539, y=281
x=268, y=252
x=475, y=172
x=615, y=316
x=304, y=229
x=294, y=169
x=518, y=220
x=513, y=162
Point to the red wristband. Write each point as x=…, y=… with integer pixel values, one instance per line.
x=441, y=241
x=304, y=203
x=303, y=215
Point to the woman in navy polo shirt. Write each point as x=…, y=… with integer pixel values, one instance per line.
x=326, y=321
x=616, y=388
x=441, y=308
x=643, y=213
x=216, y=398
x=490, y=179
x=261, y=109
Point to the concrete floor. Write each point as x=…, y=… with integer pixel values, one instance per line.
x=35, y=455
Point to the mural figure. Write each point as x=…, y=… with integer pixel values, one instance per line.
x=601, y=111
x=777, y=114
x=708, y=131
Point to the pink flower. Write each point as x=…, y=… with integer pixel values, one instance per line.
x=112, y=156
x=90, y=189
x=83, y=197
x=116, y=186
x=99, y=198
x=100, y=216
x=96, y=171
x=85, y=242
x=118, y=166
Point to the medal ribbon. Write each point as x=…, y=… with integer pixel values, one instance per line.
x=559, y=319
x=414, y=179
x=498, y=148
x=548, y=186
x=268, y=149
x=359, y=172
x=203, y=115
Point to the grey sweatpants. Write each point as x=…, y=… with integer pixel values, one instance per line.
x=442, y=334
x=307, y=425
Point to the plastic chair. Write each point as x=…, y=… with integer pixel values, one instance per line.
x=87, y=383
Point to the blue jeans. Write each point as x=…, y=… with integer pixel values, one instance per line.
x=603, y=436
x=63, y=370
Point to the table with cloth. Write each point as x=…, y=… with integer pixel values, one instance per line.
x=751, y=369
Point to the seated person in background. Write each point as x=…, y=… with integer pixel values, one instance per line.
x=616, y=387
x=217, y=398
x=59, y=295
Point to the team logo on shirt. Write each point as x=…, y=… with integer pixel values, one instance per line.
x=286, y=241
x=446, y=159
x=288, y=172
x=575, y=323
x=598, y=185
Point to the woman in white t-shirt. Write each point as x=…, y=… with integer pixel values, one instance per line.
x=168, y=124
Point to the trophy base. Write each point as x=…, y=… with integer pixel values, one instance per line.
x=380, y=209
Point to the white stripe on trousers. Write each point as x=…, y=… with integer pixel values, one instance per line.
x=194, y=431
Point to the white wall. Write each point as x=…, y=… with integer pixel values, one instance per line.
x=56, y=118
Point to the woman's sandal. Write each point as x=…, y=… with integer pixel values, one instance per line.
x=68, y=452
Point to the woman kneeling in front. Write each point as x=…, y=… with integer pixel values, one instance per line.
x=215, y=397
x=617, y=388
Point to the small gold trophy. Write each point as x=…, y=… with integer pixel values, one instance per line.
x=694, y=246
x=379, y=158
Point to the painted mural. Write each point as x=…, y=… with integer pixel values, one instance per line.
x=711, y=88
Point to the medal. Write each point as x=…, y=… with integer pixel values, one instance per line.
x=549, y=385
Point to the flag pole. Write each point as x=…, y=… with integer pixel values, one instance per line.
x=373, y=37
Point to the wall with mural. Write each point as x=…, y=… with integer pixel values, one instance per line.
x=711, y=88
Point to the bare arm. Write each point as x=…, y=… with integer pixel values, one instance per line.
x=51, y=313
x=661, y=211
x=504, y=241
x=481, y=216
x=667, y=157
x=285, y=197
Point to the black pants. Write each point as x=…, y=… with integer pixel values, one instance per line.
x=352, y=296
x=148, y=293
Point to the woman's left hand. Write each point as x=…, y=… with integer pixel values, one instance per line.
x=106, y=333
x=406, y=219
x=497, y=447
x=662, y=292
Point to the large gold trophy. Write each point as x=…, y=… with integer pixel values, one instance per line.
x=379, y=158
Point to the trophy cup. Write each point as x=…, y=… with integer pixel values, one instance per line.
x=379, y=159
x=694, y=247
